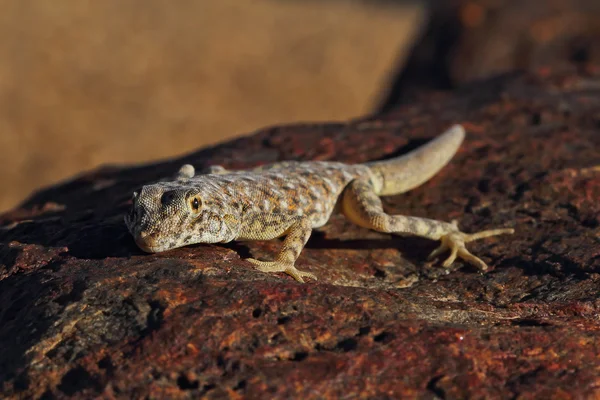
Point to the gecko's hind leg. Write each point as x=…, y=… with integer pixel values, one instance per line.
x=362, y=206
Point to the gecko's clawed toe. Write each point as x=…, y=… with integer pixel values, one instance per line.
x=473, y=260
x=439, y=250
x=298, y=275
x=277, y=266
x=469, y=237
x=455, y=242
x=453, y=254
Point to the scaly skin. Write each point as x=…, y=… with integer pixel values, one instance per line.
x=292, y=198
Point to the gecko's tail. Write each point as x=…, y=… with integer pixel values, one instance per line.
x=406, y=172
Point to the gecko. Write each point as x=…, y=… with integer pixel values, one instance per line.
x=291, y=198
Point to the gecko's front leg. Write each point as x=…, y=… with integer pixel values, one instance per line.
x=363, y=207
x=297, y=234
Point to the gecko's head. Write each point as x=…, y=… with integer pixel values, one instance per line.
x=163, y=217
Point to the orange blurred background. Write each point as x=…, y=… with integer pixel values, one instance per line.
x=85, y=83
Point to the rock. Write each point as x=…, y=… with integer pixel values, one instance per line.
x=85, y=313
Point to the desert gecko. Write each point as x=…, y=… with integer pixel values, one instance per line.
x=291, y=199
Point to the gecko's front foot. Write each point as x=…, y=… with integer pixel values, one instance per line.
x=455, y=242
x=277, y=266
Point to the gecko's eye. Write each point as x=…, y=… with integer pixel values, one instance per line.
x=195, y=203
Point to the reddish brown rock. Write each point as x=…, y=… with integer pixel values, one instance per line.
x=83, y=312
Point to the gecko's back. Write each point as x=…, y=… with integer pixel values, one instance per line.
x=291, y=188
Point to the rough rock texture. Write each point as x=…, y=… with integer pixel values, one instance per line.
x=83, y=312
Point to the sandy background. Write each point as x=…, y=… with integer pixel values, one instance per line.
x=85, y=83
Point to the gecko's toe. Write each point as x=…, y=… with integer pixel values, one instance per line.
x=469, y=237
x=455, y=242
x=473, y=260
x=276, y=266
x=304, y=274
x=453, y=253
x=439, y=250
x=297, y=274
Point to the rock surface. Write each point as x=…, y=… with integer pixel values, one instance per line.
x=84, y=313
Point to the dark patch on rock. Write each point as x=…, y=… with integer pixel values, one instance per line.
x=76, y=380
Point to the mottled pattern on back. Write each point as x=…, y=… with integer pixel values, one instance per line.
x=295, y=188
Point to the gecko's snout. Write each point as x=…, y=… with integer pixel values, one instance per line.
x=147, y=241
x=145, y=234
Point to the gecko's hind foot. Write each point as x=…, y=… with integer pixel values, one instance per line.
x=455, y=242
x=276, y=266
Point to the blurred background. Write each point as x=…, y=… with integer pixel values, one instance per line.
x=85, y=83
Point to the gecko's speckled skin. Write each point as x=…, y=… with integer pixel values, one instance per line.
x=290, y=199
